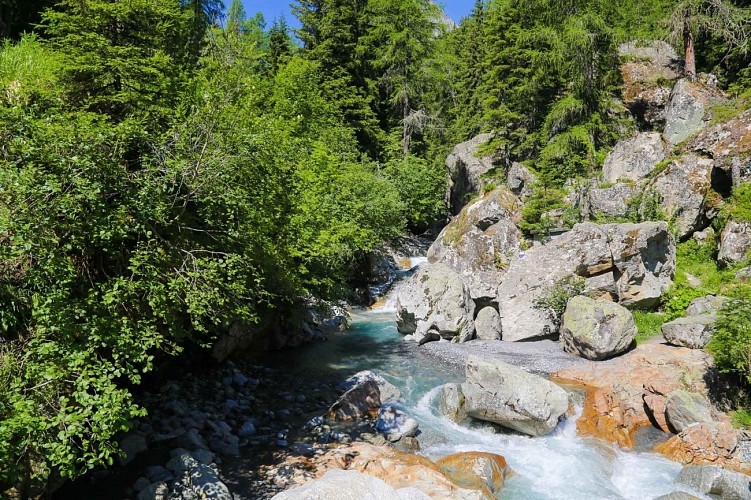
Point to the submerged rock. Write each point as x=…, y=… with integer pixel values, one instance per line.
x=500, y=393
x=596, y=330
x=435, y=304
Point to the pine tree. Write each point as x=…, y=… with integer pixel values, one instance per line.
x=281, y=45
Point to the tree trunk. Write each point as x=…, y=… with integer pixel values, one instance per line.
x=688, y=44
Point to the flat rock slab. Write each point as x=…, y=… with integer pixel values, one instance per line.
x=541, y=357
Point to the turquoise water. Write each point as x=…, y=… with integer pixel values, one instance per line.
x=559, y=466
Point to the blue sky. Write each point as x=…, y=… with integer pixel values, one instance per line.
x=271, y=9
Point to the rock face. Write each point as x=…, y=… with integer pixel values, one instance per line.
x=610, y=202
x=488, y=324
x=682, y=190
x=465, y=171
x=476, y=470
x=648, y=73
x=724, y=141
x=394, y=424
x=635, y=261
x=687, y=111
x=633, y=159
x=710, y=443
x=631, y=391
x=451, y=402
x=714, y=480
x=360, y=401
x=596, y=330
x=435, y=304
x=684, y=408
x=480, y=241
x=348, y=484
x=735, y=242
x=520, y=180
x=693, y=332
x=500, y=393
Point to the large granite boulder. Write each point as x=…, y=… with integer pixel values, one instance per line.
x=626, y=393
x=451, y=402
x=735, y=243
x=725, y=141
x=693, y=332
x=611, y=202
x=709, y=304
x=488, y=324
x=682, y=190
x=338, y=483
x=635, y=261
x=596, y=330
x=362, y=400
x=714, y=480
x=648, y=70
x=480, y=241
x=684, y=408
x=688, y=109
x=501, y=393
x=634, y=159
x=520, y=180
x=466, y=170
x=435, y=304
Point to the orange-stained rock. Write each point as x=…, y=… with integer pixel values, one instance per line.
x=714, y=443
x=619, y=390
x=398, y=469
x=475, y=470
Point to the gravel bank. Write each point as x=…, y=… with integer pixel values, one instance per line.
x=542, y=357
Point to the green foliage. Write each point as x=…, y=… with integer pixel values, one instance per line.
x=649, y=324
x=535, y=213
x=555, y=297
x=731, y=343
x=741, y=419
x=421, y=187
x=740, y=204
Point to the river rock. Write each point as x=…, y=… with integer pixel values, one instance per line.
x=156, y=491
x=714, y=480
x=132, y=445
x=636, y=260
x=466, y=170
x=709, y=304
x=634, y=159
x=434, y=304
x=388, y=391
x=394, y=424
x=488, y=324
x=693, y=332
x=735, y=243
x=479, y=242
x=520, y=180
x=205, y=483
x=678, y=495
x=706, y=443
x=649, y=70
x=451, y=402
x=610, y=202
x=681, y=191
x=341, y=484
x=684, y=408
x=688, y=109
x=596, y=330
x=501, y=393
x=475, y=470
x=628, y=392
x=363, y=400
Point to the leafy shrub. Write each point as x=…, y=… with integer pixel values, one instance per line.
x=536, y=208
x=555, y=297
x=421, y=186
x=731, y=343
x=741, y=419
x=678, y=297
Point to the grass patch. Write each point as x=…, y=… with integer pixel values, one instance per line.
x=649, y=324
x=741, y=419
